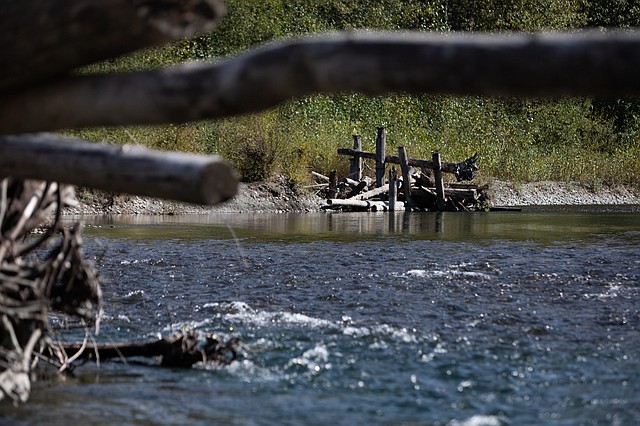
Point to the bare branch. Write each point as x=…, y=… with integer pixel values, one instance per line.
x=583, y=64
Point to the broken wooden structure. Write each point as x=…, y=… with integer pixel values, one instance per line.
x=418, y=187
x=46, y=41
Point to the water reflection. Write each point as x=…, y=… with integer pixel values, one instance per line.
x=529, y=225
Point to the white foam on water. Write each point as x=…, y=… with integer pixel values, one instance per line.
x=314, y=360
x=477, y=420
x=383, y=330
x=449, y=272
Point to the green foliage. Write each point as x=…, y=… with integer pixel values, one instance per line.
x=522, y=140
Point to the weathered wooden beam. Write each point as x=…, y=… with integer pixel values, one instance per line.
x=355, y=165
x=393, y=189
x=381, y=144
x=118, y=168
x=394, y=159
x=320, y=176
x=437, y=171
x=406, y=176
x=362, y=204
x=371, y=194
x=598, y=63
x=41, y=39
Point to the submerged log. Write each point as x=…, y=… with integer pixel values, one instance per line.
x=528, y=65
x=118, y=168
x=180, y=350
x=47, y=38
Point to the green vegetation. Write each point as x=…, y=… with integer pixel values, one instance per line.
x=591, y=140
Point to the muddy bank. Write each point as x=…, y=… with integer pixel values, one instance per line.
x=280, y=196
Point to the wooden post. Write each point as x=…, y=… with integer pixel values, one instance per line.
x=406, y=179
x=435, y=158
x=381, y=142
x=333, y=184
x=393, y=189
x=355, y=167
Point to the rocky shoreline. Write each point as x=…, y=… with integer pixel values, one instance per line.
x=280, y=196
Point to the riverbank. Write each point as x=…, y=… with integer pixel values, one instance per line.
x=280, y=196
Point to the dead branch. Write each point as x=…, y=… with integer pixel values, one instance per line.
x=47, y=38
x=581, y=64
x=118, y=168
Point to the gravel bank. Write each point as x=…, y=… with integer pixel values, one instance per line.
x=281, y=197
x=559, y=193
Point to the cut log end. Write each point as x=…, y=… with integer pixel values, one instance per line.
x=218, y=183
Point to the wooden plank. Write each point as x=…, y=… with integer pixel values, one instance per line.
x=118, y=168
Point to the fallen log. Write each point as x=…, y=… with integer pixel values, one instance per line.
x=372, y=193
x=118, y=168
x=525, y=65
x=42, y=39
x=179, y=350
x=364, y=204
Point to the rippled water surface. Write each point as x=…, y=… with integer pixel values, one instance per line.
x=459, y=319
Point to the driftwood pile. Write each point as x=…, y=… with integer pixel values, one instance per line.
x=417, y=185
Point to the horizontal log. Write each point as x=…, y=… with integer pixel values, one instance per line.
x=525, y=65
x=372, y=193
x=320, y=176
x=364, y=204
x=41, y=39
x=394, y=159
x=119, y=168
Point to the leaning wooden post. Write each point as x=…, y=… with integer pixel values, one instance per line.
x=381, y=142
x=406, y=179
x=437, y=169
x=393, y=189
x=355, y=167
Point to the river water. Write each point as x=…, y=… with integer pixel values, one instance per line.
x=374, y=318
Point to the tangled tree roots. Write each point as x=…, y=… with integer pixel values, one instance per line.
x=30, y=286
x=34, y=281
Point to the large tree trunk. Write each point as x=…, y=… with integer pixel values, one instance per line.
x=46, y=38
x=589, y=64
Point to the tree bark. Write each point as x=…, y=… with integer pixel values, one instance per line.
x=41, y=39
x=585, y=64
x=119, y=168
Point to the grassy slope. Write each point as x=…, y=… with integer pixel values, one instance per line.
x=522, y=140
